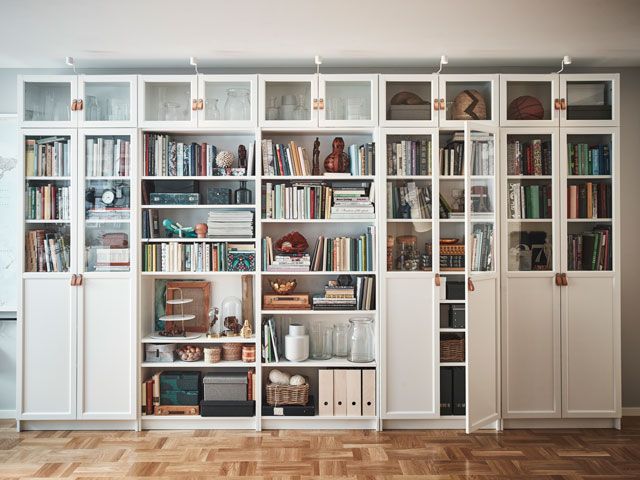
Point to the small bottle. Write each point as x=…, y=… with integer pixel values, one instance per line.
x=242, y=196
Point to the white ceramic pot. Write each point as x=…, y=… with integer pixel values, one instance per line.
x=296, y=344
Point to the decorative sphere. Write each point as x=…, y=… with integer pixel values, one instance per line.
x=297, y=380
x=225, y=159
x=279, y=378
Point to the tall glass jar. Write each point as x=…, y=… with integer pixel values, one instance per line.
x=321, y=338
x=361, y=347
x=340, y=340
x=408, y=258
x=237, y=106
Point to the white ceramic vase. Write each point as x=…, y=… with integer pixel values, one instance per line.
x=296, y=344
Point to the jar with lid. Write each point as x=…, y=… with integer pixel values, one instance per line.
x=361, y=347
x=237, y=106
x=408, y=258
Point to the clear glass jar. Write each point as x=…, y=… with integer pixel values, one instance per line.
x=340, y=340
x=212, y=112
x=408, y=258
x=361, y=348
x=321, y=339
x=238, y=105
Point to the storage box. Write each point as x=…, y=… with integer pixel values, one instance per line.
x=180, y=381
x=308, y=410
x=159, y=353
x=225, y=386
x=179, y=397
x=457, y=316
x=174, y=198
x=409, y=112
x=218, y=196
x=455, y=290
x=223, y=408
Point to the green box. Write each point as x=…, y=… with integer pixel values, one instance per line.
x=174, y=397
x=180, y=381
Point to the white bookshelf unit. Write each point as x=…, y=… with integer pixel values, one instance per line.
x=531, y=330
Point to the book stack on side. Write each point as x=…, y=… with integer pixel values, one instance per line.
x=530, y=201
x=353, y=202
x=482, y=247
x=590, y=250
x=230, y=223
x=107, y=157
x=585, y=159
x=48, y=202
x=360, y=296
x=529, y=158
x=409, y=157
x=112, y=259
x=589, y=200
x=47, y=157
x=418, y=200
x=47, y=252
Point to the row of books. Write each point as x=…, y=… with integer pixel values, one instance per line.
x=360, y=296
x=408, y=201
x=282, y=159
x=47, y=252
x=107, y=157
x=230, y=223
x=452, y=391
x=48, y=202
x=409, y=157
x=589, y=200
x=482, y=155
x=271, y=341
x=47, y=157
x=362, y=159
x=318, y=201
x=585, y=159
x=590, y=250
x=482, y=247
x=452, y=158
x=166, y=157
x=198, y=257
x=530, y=201
x=529, y=157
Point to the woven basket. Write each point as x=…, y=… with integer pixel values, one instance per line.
x=231, y=351
x=287, y=394
x=451, y=348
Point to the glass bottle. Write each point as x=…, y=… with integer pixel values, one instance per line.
x=360, y=340
x=242, y=196
x=300, y=112
x=238, y=105
x=340, y=340
x=272, y=111
x=212, y=112
x=321, y=339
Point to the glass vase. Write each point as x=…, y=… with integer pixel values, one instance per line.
x=321, y=338
x=361, y=349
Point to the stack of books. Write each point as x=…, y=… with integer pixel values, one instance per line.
x=529, y=158
x=353, y=201
x=590, y=250
x=530, y=201
x=112, y=259
x=47, y=252
x=417, y=200
x=360, y=296
x=48, y=202
x=585, y=159
x=482, y=155
x=47, y=157
x=482, y=247
x=362, y=159
x=108, y=157
x=409, y=157
x=230, y=223
x=296, y=201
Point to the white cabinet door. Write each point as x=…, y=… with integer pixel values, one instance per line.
x=349, y=100
x=167, y=101
x=47, y=330
x=590, y=347
x=409, y=364
x=465, y=97
x=590, y=100
x=531, y=347
x=483, y=357
x=228, y=101
x=106, y=353
x=288, y=101
x=108, y=101
x=529, y=100
x=47, y=101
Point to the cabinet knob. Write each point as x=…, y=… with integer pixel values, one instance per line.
x=73, y=280
x=74, y=105
x=437, y=280
x=563, y=104
x=315, y=104
x=558, y=279
x=565, y=280
x=80, y=104
x=471, y=287
x=321, y=104
x=194, y=104
x=436, y=104
x=556, y=104
x=442, y=105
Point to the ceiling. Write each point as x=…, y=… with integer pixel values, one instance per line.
x=285, y=33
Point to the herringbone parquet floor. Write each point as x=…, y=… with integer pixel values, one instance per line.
x=186, y=455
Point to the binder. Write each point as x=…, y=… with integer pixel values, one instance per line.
x=368, y=393
x=459, y=394
x=354, y=393
x=325, y=393
x=443, y=288
x=340, y=393
x=446, y=391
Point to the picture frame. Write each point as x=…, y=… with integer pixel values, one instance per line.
x=200, y=292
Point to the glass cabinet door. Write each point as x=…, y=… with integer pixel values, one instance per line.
x=107, y=100
x=106, y=203
x=589, y=100
x=468, y=98
x=48, y=208
x=348, y=100
x=228, y=100
x=288, y=100
x=529, y=100
x=530, y=169
x=589, y=166
x=46, y=101
x=406, y=100
x=168, y=100
x=480, y=197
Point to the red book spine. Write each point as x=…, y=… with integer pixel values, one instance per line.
x=203, y=159
x=149, y=385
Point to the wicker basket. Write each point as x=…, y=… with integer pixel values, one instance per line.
x=287, y=394
x=231, y=351
x=451, y=348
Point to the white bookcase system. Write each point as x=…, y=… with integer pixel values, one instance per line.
x=503, y=310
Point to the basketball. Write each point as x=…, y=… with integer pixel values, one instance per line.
x=469, y=105
x=525, y=107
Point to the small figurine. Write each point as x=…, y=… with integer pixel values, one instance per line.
x=246, y=331
x=242, y=156
x=337, y=161
x=201, y=230
x=316, y=157
x=177, y=229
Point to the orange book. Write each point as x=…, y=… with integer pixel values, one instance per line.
x=589, y=199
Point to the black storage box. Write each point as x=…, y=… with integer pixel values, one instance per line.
x=224, y=408
x=455, y=290
x=180, y=381
x=308, y=410
x=456, y=316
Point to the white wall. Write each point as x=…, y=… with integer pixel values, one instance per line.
x=630, y=189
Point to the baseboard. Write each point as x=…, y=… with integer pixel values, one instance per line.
x=26, y=425
x=631, y=411
x=515, y=423
x=10, y=414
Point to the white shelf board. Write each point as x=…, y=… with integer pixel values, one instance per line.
x=589, y=177
x=452, y=330
x=319, y=220
x=529, y=220
x=324, y=272
x=409, y=220
x=409, y=177
x=107, y=220
x=106, y=177
x=332, y=362
x=228, y=178
x=198, y=364
x=191, y=274
x=323, y=178
x=318, y=312
x=47, y=178
x=451, y=177
x=202, y=339
x=452, y=301
x=199, y=206
x=48, y=221
x=588, y=220
x=190, y=240
x=453, y=364
x=529, y=177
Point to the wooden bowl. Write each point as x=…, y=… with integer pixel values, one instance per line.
x=449, y=241
x=282, y=286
